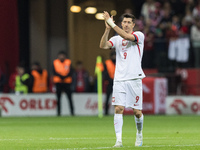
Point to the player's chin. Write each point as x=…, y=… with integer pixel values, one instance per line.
x=127, y=31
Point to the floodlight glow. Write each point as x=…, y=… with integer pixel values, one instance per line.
x=99, y=16
x=113, y=12
x=75, y=9
x=90, y=10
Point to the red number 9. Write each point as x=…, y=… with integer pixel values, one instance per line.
x=125, y=54
x=137, y=98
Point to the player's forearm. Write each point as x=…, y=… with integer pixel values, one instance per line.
x=104, y=39
x=123, y=34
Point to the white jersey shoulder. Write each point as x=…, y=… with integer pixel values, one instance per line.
x=128, y=57
x=140, y=36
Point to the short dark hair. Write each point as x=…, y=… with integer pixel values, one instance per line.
x=79, y=62
x=62, y=53
x=21, y=65
x=128, y=15
x=36, y=63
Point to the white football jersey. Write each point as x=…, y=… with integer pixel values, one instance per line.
x=128, y=57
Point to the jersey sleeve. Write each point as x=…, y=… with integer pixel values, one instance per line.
x=112, y=40
x=139, y=37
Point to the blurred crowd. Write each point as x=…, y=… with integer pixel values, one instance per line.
x=172, y=34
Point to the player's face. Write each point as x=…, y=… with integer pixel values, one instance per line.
x=128, y=25
x=34, y=67
x=61, y=57
x=20, y=71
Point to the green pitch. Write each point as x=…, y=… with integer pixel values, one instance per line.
x=91, y=133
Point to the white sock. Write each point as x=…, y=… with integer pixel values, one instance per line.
x=118, y=123
x=139, y=124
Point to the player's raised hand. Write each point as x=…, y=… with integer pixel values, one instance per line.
x=107, y=25
x=108, y=19
x=106, y=15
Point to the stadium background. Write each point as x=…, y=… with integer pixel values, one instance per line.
x=35, y=30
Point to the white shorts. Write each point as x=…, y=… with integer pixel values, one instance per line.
x=128, y=93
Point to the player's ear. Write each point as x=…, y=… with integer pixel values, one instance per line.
x=133, y=24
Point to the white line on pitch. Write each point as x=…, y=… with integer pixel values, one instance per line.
x=83, y=138
x=190, y=145
x=93, y=148
x=171, y=145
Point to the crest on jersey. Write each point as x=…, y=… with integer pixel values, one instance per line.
x=124, y=42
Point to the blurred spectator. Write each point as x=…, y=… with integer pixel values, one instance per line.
x=160, y=49
x=108, y=75
x=156, y=15
x=185, y=41
x=179, y=49
x=161, y=44
x=175, y=23
x=23, y=82
x=188, y=12
x=147, y=8
x=188, y=18
x=12, y=80
x=195, y=38
x=165, y=22
x=148, y=24
x=196, y=10
x=179, y=42
x=190, y=4
x=172, y=36
x=167, y=7
x=139, y=23
x=62, y=71
x=2, y=81
x=80, y=78
x=40, y=78
x=148, y=56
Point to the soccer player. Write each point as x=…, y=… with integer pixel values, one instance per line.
x=127, y=88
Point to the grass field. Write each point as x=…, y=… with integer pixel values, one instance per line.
x=88, y=133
